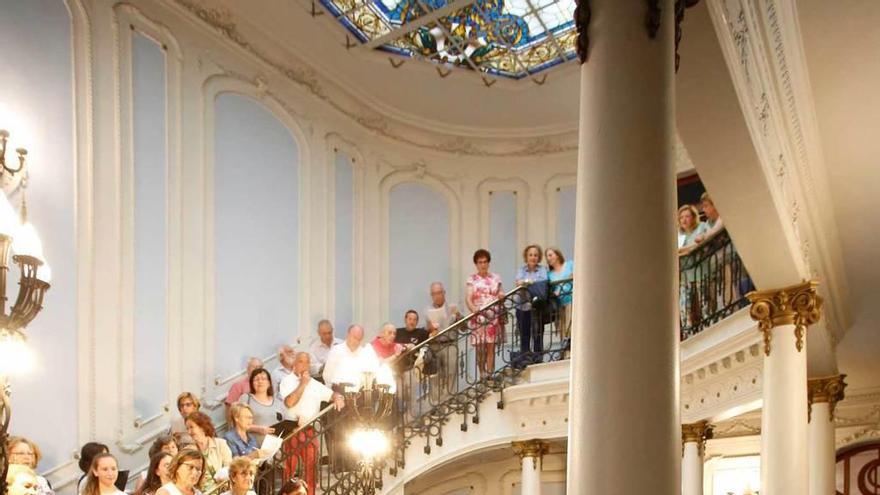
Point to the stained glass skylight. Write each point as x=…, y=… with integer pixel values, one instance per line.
x=509, y=38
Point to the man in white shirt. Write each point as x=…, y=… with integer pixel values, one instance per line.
x=303, y=395
x=440, y=314
x=320, y=348
x=347, y=362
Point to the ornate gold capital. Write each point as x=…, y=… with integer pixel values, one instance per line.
x=826, y=389
x=531, y=448
x=697, y=433
x=797, y=305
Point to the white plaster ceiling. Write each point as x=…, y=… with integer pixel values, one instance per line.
x=842, y=45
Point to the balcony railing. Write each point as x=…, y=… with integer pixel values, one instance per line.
x=448, y=376
x=436, y=381
x=713, y=283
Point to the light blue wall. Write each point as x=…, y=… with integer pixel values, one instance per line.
x=150, y=220
x=419, y=247
x=502, y=236
x=37, y=82
x=344, y=201
x=256, y=227
x=565, y=220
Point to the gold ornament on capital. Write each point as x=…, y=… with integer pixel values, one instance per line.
x=697, y=433
x=797, y=305
x=828, y=389
x=531, y=448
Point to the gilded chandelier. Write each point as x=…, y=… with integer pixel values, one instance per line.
x=19, y=237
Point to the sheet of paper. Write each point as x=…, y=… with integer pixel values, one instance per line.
x=270, y=446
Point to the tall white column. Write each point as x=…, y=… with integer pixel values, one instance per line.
x=824, y=394
x=531, y=454
x=783, y=316
x=693, y=439
x=624, y=360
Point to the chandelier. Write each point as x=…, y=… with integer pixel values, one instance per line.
x=19, y=237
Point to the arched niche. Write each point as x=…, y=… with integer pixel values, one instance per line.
x=418, y=240
x=255, y=243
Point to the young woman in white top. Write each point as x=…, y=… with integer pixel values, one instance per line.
x=102, y=476
x=157, y=474
x=241, y=477
x=187, y=471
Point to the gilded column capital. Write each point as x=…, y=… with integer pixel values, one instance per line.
x=798, y=305
x=697, y=433
x=825, y=389
x=530, y=448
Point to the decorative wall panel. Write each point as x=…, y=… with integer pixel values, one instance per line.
x=256, y=235
x=344, y=242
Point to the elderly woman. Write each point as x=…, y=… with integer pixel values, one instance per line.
x=531, y=329
x=560, y=269
x=268, y=409
x=187, y=472
x=241, y=477
x=241, y=441
x=157, y=474
x=102, y=476
x=21, y=480
x=26, y=453
x=484, y=288
x=215, y=450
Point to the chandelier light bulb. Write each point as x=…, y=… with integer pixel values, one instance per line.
x=26, y=241
x=15, y=355
x=44, y=273
x=368, y=443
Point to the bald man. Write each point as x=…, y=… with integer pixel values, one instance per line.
x=347, y=362
x=243, y=386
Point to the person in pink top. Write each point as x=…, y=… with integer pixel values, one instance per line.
x=242, y=386
x=384, y=345
x=484, y=288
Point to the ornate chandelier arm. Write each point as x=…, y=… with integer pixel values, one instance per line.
x=30, y=293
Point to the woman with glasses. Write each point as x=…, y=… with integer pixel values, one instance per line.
x=187, y=403
x=215, y=450
x=187, y=474
x=240, y=441
x=241, y=477
x=26, y=453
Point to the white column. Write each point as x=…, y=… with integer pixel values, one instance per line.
x=530, y=454
x=824, y=393
x=693, y=438
x=783, y=316
x=624, y=360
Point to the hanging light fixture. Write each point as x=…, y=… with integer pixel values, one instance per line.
x=19, y=237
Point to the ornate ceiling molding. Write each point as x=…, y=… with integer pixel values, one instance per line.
x=762, y=46
x=224, y=23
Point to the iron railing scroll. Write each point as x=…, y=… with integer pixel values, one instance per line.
x=713, y=283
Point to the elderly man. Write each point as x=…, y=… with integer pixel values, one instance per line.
x=320, y=348
x=440, y=314
x=243, y=386
x=286, y=357
x=302, y=396
x=347, y=362
x=384, y=345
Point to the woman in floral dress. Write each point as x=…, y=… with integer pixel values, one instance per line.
x=484, y=288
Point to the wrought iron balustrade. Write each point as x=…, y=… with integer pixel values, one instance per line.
x=436, y=380
x=713, y=283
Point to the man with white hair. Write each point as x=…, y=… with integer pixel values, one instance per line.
x=286, y=356
x=320, y=348
x=347, y=362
